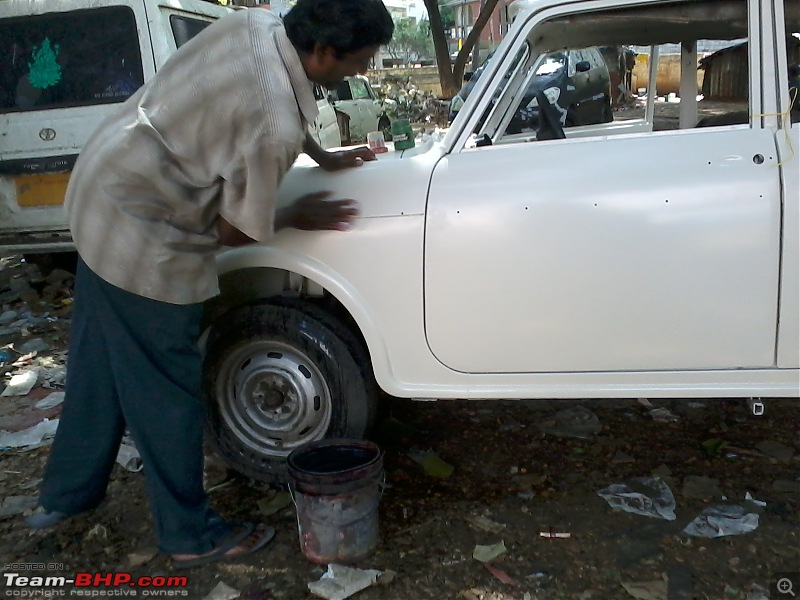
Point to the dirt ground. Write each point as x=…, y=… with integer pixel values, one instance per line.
x=519, y=476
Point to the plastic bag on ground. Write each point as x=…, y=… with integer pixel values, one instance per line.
x=647, y=496
x=721, y=520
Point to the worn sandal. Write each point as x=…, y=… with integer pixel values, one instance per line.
x=235, y=539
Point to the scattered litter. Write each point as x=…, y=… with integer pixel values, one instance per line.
x=500, y=574
x=645, y=402
x=757, y=592
x=29, y=485
x=387, y=577
x=98, y=531
x=7, y=317
x=647, y=496
x=340, y=582
x=137, y=559
x=128, y=457
x=54, y=377
x=646, y=590
x=223, y=592
x=51, y=400
x=16, y=505
x=30, y=437
x=432, y=464
x=485, y=524
x=775, y=450
x=722, y=520
x=274, y=504
x=577, y=422
x=5, y=356
x=621, y=457
x=663, y=415
x=34, y=345
x=749, y=498
x=555, y=535
x=700, y=487
x=21, y=383
x=487, y=553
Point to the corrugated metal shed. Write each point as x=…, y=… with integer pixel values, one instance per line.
x=725, y=72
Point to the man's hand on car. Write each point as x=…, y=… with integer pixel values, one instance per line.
x=313, y=212
x=345, y=159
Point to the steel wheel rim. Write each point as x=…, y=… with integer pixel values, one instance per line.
x=273, y=398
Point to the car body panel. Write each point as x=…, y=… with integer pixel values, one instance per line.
x=689, y=282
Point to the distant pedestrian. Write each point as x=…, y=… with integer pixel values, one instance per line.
x=190, y=162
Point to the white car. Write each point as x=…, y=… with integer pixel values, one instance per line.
x=364, y=112
x=325, y=128
x=610, y=260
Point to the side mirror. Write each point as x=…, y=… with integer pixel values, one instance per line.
x=583, y=66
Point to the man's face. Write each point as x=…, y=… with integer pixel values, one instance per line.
x=330, y=69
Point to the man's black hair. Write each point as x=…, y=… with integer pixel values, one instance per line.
x=345, y=25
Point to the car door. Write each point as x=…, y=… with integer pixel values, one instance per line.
x=636, y=252
x=363, y=107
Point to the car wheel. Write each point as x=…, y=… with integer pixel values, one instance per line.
x=276, y=377
x=608, y=112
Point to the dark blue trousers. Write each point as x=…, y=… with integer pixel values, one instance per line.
x=134, y=361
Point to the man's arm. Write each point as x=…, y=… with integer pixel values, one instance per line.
x=340, y=159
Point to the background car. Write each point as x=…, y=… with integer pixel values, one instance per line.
x=356, y=100
x=576, y=82
x=325, y=128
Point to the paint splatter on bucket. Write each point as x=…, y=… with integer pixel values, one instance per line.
x=336, y=486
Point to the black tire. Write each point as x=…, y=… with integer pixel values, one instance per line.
x=276, y=377
x=608, y=111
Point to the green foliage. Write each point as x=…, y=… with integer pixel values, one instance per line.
x=448, y=15
x=411, y=40
x=45, y=71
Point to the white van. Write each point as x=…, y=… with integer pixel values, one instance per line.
x=68, y=63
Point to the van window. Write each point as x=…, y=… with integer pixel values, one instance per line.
x=65, y=59
x=184, y=28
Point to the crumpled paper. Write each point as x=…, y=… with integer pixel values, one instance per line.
x=340, y=582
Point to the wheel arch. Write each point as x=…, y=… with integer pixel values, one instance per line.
x=255, y=273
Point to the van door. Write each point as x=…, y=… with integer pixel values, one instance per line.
x=66, y=66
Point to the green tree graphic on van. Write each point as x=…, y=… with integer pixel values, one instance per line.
x=45, y=72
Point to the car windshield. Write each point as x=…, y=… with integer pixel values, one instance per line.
x=76, y=58
x=552, y=64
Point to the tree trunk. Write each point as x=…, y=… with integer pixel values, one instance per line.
x=442, y=52
x=487, y=9
x=451, y=77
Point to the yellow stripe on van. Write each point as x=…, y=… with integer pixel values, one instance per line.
x=41, y=190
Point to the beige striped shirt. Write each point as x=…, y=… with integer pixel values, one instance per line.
x=213, y=133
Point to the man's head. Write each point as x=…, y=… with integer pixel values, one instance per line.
x=337, y=38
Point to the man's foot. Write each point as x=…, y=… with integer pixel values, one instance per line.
x=44, y=519
x=243, y=540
